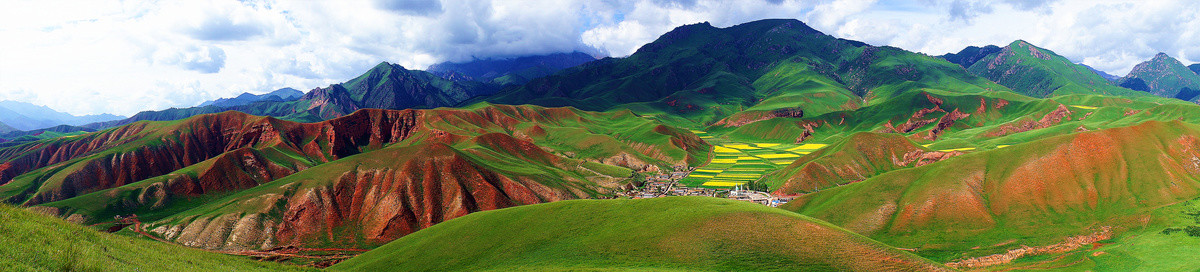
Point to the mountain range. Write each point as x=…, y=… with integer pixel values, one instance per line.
x=386, y=86
x=280, y=95
x=509, y=71
x=992, y=158
x=26, y=116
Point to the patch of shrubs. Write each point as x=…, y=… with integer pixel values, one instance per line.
x=1193, y=231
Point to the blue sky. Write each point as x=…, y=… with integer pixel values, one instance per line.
x=121, y=57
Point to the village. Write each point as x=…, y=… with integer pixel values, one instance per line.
x=663, y=185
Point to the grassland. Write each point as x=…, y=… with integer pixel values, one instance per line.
x=662, y=234
x=1162, y=243
x=35, y=242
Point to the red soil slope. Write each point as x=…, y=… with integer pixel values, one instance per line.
x=1038, y=191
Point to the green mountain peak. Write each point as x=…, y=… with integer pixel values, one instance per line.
x=1039, y=72
x=1164, y=76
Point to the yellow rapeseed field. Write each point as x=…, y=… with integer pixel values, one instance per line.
x=722, y=184
x=778, y=156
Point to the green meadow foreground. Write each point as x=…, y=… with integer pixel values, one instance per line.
x=674, y=233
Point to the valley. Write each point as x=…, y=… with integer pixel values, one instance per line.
x=761, y=146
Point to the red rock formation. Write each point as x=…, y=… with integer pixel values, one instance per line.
x=916, y=121
x=1052, y=118
x=458, y=161
x=744, y=118
x=1070, y=243
x=945, y=122
x=143, y=150
x=921, y=157
x=385, y=204
x=377, y=201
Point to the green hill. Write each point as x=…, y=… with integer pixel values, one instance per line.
x=667, y=234
x=1038, y=72
x=35, y=242
x=1163, y=76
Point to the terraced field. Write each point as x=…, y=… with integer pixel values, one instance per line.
x=737, y=163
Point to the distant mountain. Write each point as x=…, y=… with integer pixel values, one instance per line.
x=509, y=71
x=968, y=56
x=1195, y=68
x=55, y=130
x=1038, y=72
x=26, y=116
x=285, y=94
x=1163, y=76
x=386, y=86
x=1109, y=77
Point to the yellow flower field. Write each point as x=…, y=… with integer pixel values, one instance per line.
x=778, y=156
x=807, y=147
x=722, y=184
x=721, y=149
x=725, y=161
x=740, y=147
x=737, y=163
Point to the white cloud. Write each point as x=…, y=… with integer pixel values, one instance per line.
x=125, y=56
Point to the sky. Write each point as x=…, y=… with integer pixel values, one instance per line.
x=122, y=57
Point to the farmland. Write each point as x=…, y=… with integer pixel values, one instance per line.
x=736, y=163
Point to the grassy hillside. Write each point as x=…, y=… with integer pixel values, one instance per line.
x=669, y=234
x=1034, y=193
x=35, y=242
x=853, y=159
x=1166, y=241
